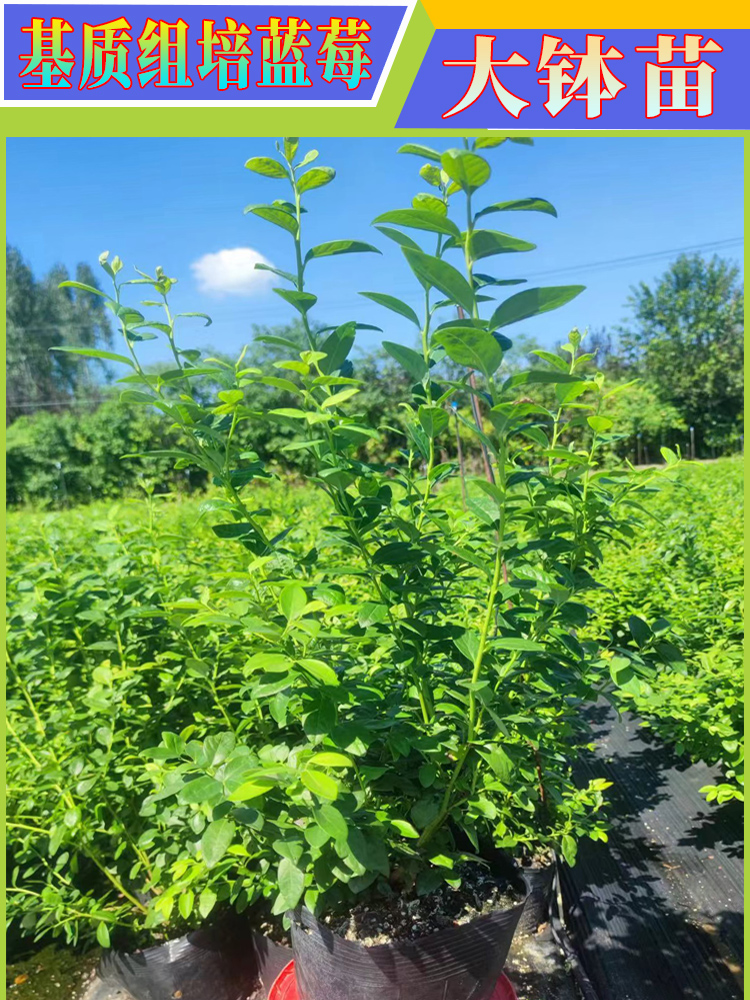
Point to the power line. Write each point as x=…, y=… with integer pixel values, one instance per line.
x=278, y=315
x=655, y=255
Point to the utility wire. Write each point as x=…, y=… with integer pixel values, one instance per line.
x=614, y=263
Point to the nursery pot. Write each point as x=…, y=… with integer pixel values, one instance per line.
x=458, y=963
x=285, y=987
x=270, y=960
x=540, y=879
x=214, y=963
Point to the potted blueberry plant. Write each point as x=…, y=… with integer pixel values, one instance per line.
x=399, y=663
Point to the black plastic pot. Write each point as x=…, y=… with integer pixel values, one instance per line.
x=458, y=963
x=540, y=879
x=270, y=959
x=211, y=964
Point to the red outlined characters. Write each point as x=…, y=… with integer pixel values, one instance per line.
x=163, y=58
x=343, y=50
x=49, y=63
x=282, y=59
x=678, y=83
x=105, y=54
x=226, y=51
x=593, y=82
x=484, y=73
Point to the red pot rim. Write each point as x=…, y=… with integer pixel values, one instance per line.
x=285, y=987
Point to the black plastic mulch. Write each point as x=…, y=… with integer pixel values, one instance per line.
x=657, y=912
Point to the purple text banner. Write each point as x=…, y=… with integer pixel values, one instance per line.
x=301, y=55
x=559, y=79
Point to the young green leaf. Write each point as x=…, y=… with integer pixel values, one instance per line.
x=532, y=302
x=414, y=218
x=471, y=347
x=394, y=304
x=267, y=167
x=216, y=840
x=93, y=352
x=443, y=276
x=335, y=248
x=519, y=205
x=466, y=169
x=275, y=215
x=315, y=178
x=410, y=360
x=417, y=149
x=320, y=784
x=291, y=880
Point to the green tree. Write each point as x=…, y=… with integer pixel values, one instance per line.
x=686, y=340
x=40, y=316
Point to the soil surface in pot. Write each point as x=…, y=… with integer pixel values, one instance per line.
x=407, y=916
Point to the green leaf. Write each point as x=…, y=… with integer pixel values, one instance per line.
x=275, y=215
x=414, y=218
x=532, y=302
x=194, y=315
x=320, y=784
x=302, y=301
x=216, y=841
x=417, y=149
x=600, y=425
x=434, y=420
x=639, y=630
x=185, y=903
x=538, y=376
x=523, y=141
x=431, y=174
x=424, y=201
x=443, y=276
x=369, y=849
x=410, y=360
x=500, y=763
x=200, y=789
x=315, y=178
x=398, y=237
x=310, y=155
x=291, y=881
x=330, y=819
x=102, y=934
x=320, y=671
x=334, y=248
x=329, y=758
x=281, y=274
x=292, y=600
x=569, y=849
x=489, y=142
x=394, y=304
x=267, y=167
x=92, y=352
x=523, y=645
x=520, y=205
x=336, y=348
x=427, y=775
x=466, y=169
x=251, y=789
x=488, y=242
x=405, y=828
x=206, y=902
x=83, y=288
x=471, y=347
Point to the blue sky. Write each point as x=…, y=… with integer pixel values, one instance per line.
x=173, y=201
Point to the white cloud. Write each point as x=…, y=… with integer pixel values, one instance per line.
x=232, y=272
